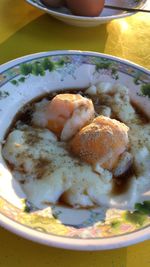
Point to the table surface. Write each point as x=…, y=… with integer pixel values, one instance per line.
x=25, y=30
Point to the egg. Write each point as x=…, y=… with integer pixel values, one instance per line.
x=91, y=8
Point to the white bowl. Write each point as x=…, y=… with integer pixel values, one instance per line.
x=91, y=229
x=107, y=15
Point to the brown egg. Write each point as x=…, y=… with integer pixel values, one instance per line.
x=53, y=3
x=90, y=8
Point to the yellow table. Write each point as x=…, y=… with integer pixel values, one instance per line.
x=25, y=30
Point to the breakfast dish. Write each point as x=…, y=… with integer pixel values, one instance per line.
x=75, y=150
x=70, y=152
x=62, y=13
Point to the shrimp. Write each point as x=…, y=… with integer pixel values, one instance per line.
x=68, y=113
x=101, y=142
x=65, y=115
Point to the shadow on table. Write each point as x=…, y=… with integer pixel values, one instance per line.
x=46, y=33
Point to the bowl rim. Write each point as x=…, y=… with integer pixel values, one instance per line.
x=82, y=18
x=66, y=242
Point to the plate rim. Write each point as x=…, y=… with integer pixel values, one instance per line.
x=18, y=60
x=66, y=242
x=72, y=243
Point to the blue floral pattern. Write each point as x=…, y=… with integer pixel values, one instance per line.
x=108, y=222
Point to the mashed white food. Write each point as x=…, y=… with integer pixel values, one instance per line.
x=40, y=158
x=46, y=171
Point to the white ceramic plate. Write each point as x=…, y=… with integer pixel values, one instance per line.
x=24, y=79
x=107, y=15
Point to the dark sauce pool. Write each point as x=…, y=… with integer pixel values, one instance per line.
x=24, y=116
x=121, y=183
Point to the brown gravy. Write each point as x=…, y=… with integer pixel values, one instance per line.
x=121, y=183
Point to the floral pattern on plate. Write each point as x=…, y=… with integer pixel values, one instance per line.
x=117, y=222
x=94, y=223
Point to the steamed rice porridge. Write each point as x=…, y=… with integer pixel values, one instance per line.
x=81, y=148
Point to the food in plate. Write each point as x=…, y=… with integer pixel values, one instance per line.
x=101, y=142
x=82, y=148
x=65, y=115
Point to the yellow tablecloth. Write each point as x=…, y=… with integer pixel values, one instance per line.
x=25, y=30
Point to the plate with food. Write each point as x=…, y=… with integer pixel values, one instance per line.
x=87, y=13
x=75, y=150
